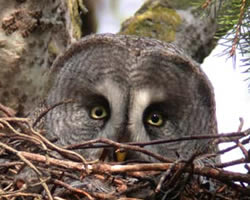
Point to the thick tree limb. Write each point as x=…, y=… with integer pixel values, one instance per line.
x=177, y=22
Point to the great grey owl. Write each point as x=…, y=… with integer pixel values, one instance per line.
x=130, y=89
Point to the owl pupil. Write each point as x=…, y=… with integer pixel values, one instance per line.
x=155, y=118
x=99, y=112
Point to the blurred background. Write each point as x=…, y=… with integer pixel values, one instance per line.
x=231, y=90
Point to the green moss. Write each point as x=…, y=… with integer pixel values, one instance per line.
x=185, y=4
x=52, y=49
x=157, y=22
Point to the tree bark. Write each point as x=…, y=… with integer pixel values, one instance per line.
x=175, y=22
x=32, y=34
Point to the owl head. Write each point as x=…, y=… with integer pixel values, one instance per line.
x=130, y=89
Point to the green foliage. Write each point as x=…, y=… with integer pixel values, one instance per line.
x=233, y=19
x=235, y=16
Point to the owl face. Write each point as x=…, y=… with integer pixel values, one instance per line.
x=129, y=89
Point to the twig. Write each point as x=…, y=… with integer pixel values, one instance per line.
x=7, y=111
x=86, y=145
x=231, y=163
x=39, y=138
x=204, y=171
x=5, y=121
x=241, y=124
x=39, y=174
x=69, y=187
x=112, y=169
x=206, y=4
x=18, y=194
x=42, y=114
x=9, y=164
x=239, y=144
x=124, y=146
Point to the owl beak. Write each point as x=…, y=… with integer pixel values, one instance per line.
x=120, y=154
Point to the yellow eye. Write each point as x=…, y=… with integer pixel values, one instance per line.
x=98, y=112
x=155, y=119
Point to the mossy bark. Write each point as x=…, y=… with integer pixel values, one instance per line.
x=32, y=34
x=176, y=22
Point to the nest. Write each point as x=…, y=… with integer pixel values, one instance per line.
x=30, y=170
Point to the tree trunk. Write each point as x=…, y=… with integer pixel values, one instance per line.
x=32, y=34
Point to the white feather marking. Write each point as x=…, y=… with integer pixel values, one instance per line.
x=141, y=99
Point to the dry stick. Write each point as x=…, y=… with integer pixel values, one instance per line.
x=88, y=195
x=11, y=114
x=164, y=141
x=243, y=149
x=245, y=141
x=231, y=163
x=18, y=194
x=41, y=139
x=53, y=189
x=127, y=146
x=247, y=168
x=218, y=174
x=241, y=124
x=42, y=114
x=69, y=187
x=162, y=179
x=206, y=4
x=180, y=171
x=9, y=164
x=221, y=175
x=52, y=161
x=6, y=110
x=110, y=143
x=173, y=179
x=135, y=188
x=239, y=144
x=39, y=174
x=57, y=148
x=5, y=121
x=204, y=171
